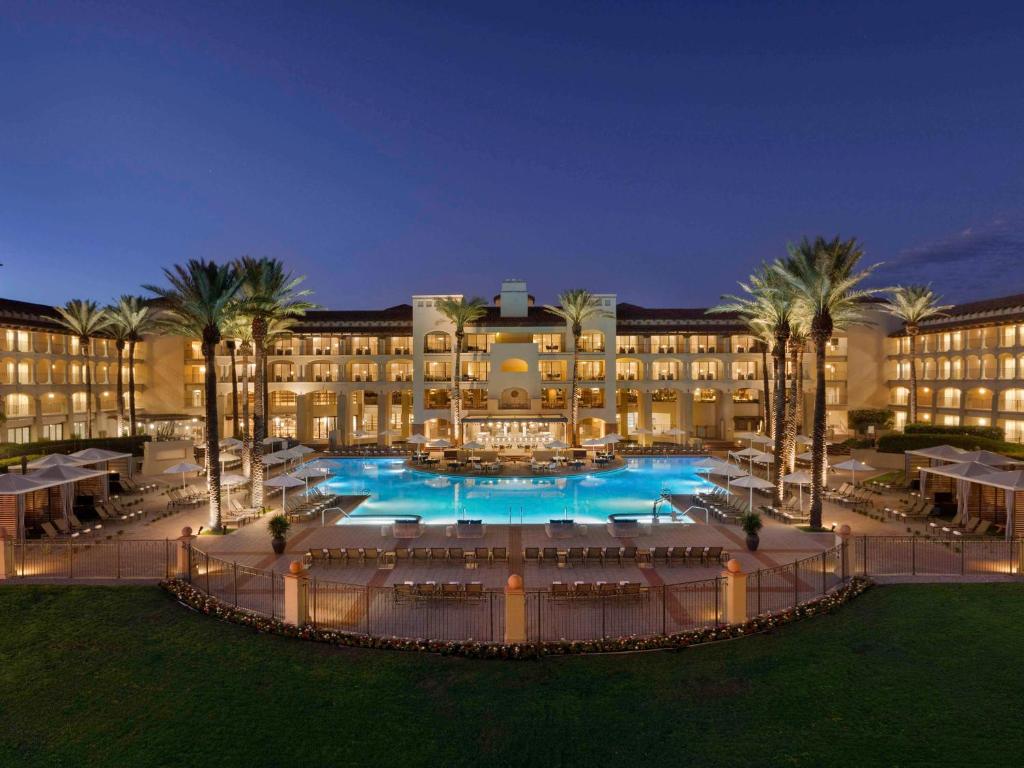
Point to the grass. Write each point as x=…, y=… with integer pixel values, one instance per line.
x=122, y=676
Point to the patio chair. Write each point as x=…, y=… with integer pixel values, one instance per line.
x=606, y=589
x=713, y=556
x=678, y=555
x=499, y=554
x=592, y=553
x=549, y=555
x=659, y=553
x=695, y=556
x=627, y=554
x=531, y=553
x=483, y=554
x=450, y=589
x=336, y=555
x=475, y=590
x=583, y=589
x=438, y=553
x=575, y=555
x=420, y=554
x=353, y=553
x=371, y=553
x=559, y=591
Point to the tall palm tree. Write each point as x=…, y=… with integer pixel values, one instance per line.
x=269, y=294
x=198, y=305
x=767, y=306
x=797, y=342
x=131, y=319
x=576, y=307
x=825, y=276
x=765, y=342
x=119, y=333
x=913, y=304
x=460, y=313
x=84, y=318
x=234, y=330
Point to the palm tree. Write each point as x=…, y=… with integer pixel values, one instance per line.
x=198, y=305
x=913, y=304
x=797, y=341
x=765, y=342
x=131, y=319
x=824, y=276
x=269, y=294
x=460, y=313
x=767, y=306
x=235, y=329
x=84, y=318
x=119, y=333
x=576, y=307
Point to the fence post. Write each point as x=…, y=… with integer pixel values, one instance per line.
x=182, y=566
x=843, y=542
x=664, y=609
x=735, y=593
x=796, y=583
x=515, y=610
x=234, y=581
x=71, y=560
x=117, y=559
x=913, y=556
x=6, y=555
x=296, y=595
x=864, y=555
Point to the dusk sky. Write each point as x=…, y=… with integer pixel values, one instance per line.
x=656, y=150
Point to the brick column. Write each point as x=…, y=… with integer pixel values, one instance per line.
x=296, y=595
x=735, y=593
x=515, y=610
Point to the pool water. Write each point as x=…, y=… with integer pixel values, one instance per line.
x=394, y=490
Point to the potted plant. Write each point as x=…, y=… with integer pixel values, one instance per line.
x=751, y=524
x=278, y=526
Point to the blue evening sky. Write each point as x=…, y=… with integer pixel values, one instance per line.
x=657, y=150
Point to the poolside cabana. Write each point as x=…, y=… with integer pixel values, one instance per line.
x=1008, y=494
x=936, y=455
x=959, y=480
x=75, y=481
x=111, y=461
x=54, y=460
x=16, y=493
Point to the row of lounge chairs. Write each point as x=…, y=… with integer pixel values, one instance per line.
x=310, y=505
x=585, y=590
x=975, y=526
x=59, y=528
x=185, y=497
x=848, y=493
x=370, y=450
x=363, y=555
x=721, y=505
x=450, y=590
x=917, y=509
x=691, y=555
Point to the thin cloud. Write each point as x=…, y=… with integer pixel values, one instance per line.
x=978, y=262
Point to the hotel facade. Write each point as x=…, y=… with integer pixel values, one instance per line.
x=378, y=376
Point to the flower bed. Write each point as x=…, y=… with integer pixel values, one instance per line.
x=211, y=606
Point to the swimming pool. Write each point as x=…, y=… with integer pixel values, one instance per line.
x=394, y=490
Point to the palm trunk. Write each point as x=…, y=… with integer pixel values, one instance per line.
x=86, y=357
x=457, y=390
x=131, y=387
x=791, y=409
x=818, y=434
x=800, y=389
x=259, y=416
x=779, y=353
x=246, y=435
x=120, y=386
x=574, y=404
x=234, y=390
x=212, y=431
x=767, y=395
x=912, y=408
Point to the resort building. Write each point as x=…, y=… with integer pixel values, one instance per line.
x=970, y=367
x=379, y=376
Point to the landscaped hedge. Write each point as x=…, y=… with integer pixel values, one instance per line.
x=132, y=445
x=898, y=443
x=992, y=433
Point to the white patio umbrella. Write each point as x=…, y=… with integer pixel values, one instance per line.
x=751, y=482
x=729, y=471
x=439, y=442
x=611, y=438
x=272, y=440
x=303, y=450
x=799, y=478
x=762, y=439
x=284, y=482
x=594, y=442
x=748, y=454
x=272, y=459
x=418, y=440
x=181, y=469
x=853, y=466
x=472, y=445
x=230, y=443
x=805, y=456
x=229, y=481
x=763, y=458
x=307, y=471
x=557, y=445
x=745, y=435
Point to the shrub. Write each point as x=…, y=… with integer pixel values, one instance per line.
x=278, y=526
x=751, y=523
x=992, y=433
x=862, y=418
x=132, y=445
x=897, y=443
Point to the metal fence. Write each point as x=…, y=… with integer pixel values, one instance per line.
x=918, y=556
x=551, y=617
x=117, y=559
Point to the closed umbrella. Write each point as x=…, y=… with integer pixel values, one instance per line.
x=284, y=482
x=182, y=469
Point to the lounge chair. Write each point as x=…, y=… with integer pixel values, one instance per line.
x=420, y=554
x=575, y=555
x=695, y=556
x=499, y=554
x=549, y=555
x=592, y=553
x=713, y=556
x=353, y=554
x=531, y=553
x=438, y=553
x=559, y=591
x=583, y=589
x=475, y=590
x=659, y=553
x=49, y=530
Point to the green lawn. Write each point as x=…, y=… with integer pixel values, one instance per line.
x=122, y=676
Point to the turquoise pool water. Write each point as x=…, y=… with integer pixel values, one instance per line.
x=395, y=489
